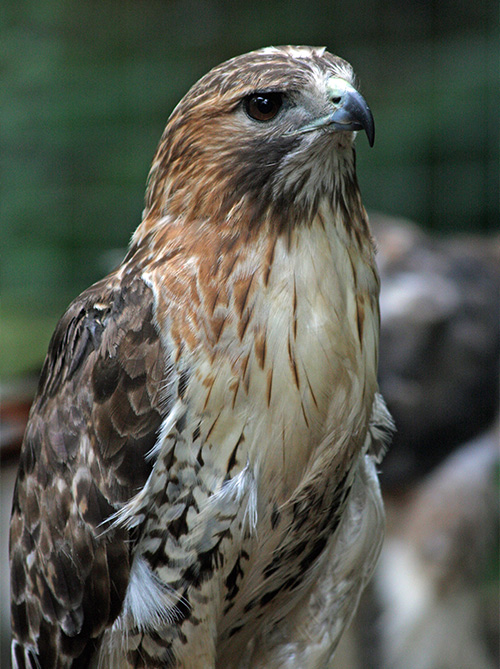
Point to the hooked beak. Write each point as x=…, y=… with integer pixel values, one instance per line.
x=350, y=111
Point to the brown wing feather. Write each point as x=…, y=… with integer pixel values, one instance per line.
x=97, y=413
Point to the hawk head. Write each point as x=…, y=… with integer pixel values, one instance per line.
x=269, y=132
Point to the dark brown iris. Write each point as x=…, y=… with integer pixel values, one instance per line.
x=263, y=106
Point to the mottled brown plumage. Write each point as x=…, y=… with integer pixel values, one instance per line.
x=196, y=486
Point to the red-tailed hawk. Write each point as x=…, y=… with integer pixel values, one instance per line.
x=197, y=484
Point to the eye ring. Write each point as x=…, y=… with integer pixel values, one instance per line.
x=263, y=106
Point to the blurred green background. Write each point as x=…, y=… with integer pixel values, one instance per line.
x=87, y=87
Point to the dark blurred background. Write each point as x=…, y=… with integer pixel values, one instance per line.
x=86, y=90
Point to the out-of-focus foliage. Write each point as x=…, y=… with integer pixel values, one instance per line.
x=87, y=88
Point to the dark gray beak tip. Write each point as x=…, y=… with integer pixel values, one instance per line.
x=370, y=129
x=361, y=115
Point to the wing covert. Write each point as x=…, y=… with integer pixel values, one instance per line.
x=96, y=415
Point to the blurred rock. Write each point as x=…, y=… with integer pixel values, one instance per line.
x=440, y=342
x=437, y=581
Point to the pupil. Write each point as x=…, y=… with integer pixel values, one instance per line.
x=264, y=105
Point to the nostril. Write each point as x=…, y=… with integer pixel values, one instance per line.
x=336, y=99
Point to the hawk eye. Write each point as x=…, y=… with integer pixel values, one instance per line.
x=263, y=106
